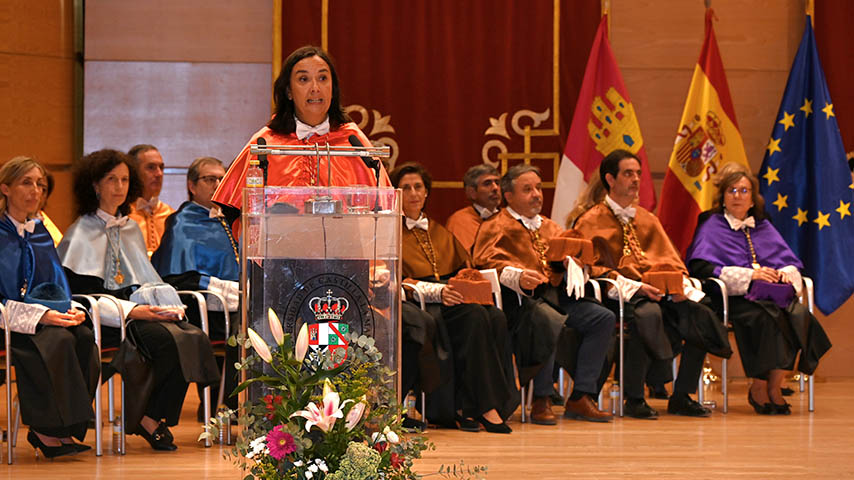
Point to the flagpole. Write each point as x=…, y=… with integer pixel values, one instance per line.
x=810, y=10
x=606, y=10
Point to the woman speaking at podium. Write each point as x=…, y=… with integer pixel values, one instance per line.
x=308, y=112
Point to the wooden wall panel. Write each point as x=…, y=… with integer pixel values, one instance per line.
x=189, y=30
x=186, y=109
x=36, y=27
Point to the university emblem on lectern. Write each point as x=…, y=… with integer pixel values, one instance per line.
x=330, y=333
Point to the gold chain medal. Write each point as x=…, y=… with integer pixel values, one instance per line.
x=755, y=263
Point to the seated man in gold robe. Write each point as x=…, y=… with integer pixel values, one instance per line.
x=630, y=242
x=514, y=242
x=148, y=211
x=481, y=183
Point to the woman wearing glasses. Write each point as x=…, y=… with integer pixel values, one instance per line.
x=736, y=243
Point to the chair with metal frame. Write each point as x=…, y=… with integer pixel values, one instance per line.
x=201, y=301
x=10, y=435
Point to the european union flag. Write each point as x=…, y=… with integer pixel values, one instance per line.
x=806, y=182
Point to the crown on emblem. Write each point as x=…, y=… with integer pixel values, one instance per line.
x=328, y=307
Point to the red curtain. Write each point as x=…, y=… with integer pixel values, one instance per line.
x=442, y=69
x=832, y=20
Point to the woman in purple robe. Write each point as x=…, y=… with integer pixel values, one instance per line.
x=736, y=243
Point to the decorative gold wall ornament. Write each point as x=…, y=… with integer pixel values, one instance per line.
x=379, y=124
x=498, y=127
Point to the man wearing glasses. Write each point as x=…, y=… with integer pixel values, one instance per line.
x=199, y=252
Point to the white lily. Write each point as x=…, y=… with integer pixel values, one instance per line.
x=275, y=327
x=355, y=414
x=260, y=346
x=301, y=346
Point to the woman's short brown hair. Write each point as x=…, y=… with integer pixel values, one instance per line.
x=728, y=176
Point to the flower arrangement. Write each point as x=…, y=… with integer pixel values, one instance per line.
x=324, y=415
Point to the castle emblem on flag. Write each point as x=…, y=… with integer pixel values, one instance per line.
x=697, y=147
x=613, y=125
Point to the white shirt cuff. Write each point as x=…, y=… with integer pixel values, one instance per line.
x=432, y=292
x=510, y=278
x=23, y=317
x=793, y=275
x=693, y=294
x=109, y=313
x=626, y=286
x=736, y=279
x=228, y=289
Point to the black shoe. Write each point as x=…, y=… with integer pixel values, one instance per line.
x=50, y=452
x=557, y=399
x=766, y=409
x=79, y=446
x=158, y=440
x=164, y=429
x=659, y=393
x=466, y=424
x=784, y=409
x=640, y=409
x=413, y=424
x=494, y=427
x=787, y=392
x=682, y=404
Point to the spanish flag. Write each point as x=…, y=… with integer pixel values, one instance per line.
x=707, y=139
x=604, y=120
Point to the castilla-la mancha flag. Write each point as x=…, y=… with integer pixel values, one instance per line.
x=604, y=120
x=707, y=139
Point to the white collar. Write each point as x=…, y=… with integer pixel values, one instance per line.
x=737, y=224
x=421, y=223
x=110, y=220
x=483, y=211
x=213, y=212
x=625, y=215
x=29, y=225
x=305, y=131
x=530, y=223
x=147, y=205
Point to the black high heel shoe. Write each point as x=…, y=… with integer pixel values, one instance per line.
x=466, y=424
x=766, y=409
x=79, y=447
x=47, y=451
x=784, y=409
x=494, y=427
x=159, y=439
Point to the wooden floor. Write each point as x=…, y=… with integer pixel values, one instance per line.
x=739, y=444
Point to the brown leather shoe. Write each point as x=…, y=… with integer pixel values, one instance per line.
x=541, y=411
x=585, y=409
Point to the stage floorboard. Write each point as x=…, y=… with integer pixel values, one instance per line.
x=739, y=444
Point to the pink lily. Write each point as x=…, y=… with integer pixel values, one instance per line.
x=325, y=415
x=301, y=346
x=275, y=327
x=355, y=414
x=260, y=346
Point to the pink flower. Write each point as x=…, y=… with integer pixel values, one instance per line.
x=280, y=443
x=260, y=346
x=275, y=327
x=325, y=415
x=355, y=414
x=301, y=346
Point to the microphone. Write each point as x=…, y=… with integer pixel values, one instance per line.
x=262, y=159
x=369, y=162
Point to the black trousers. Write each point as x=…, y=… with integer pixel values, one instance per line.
x=648, y=319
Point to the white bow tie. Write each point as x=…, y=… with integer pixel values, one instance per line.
x=29, y=226
x=215, y=212
x=625, y=214
x=305, y=130
x=421, y=223
x=146, y=205
x=532, y=223
x=117, y=222
x=737, y=224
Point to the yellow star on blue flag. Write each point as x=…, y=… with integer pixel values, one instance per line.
x=807, y=170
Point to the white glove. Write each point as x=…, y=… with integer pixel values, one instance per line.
x=228, y=289
x=574, y=279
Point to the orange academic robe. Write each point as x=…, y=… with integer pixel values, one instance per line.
x=602, y=226
x=152, y=225
x=299, y=170
x=450, y=254
x=503, y=241
x=464, y=224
